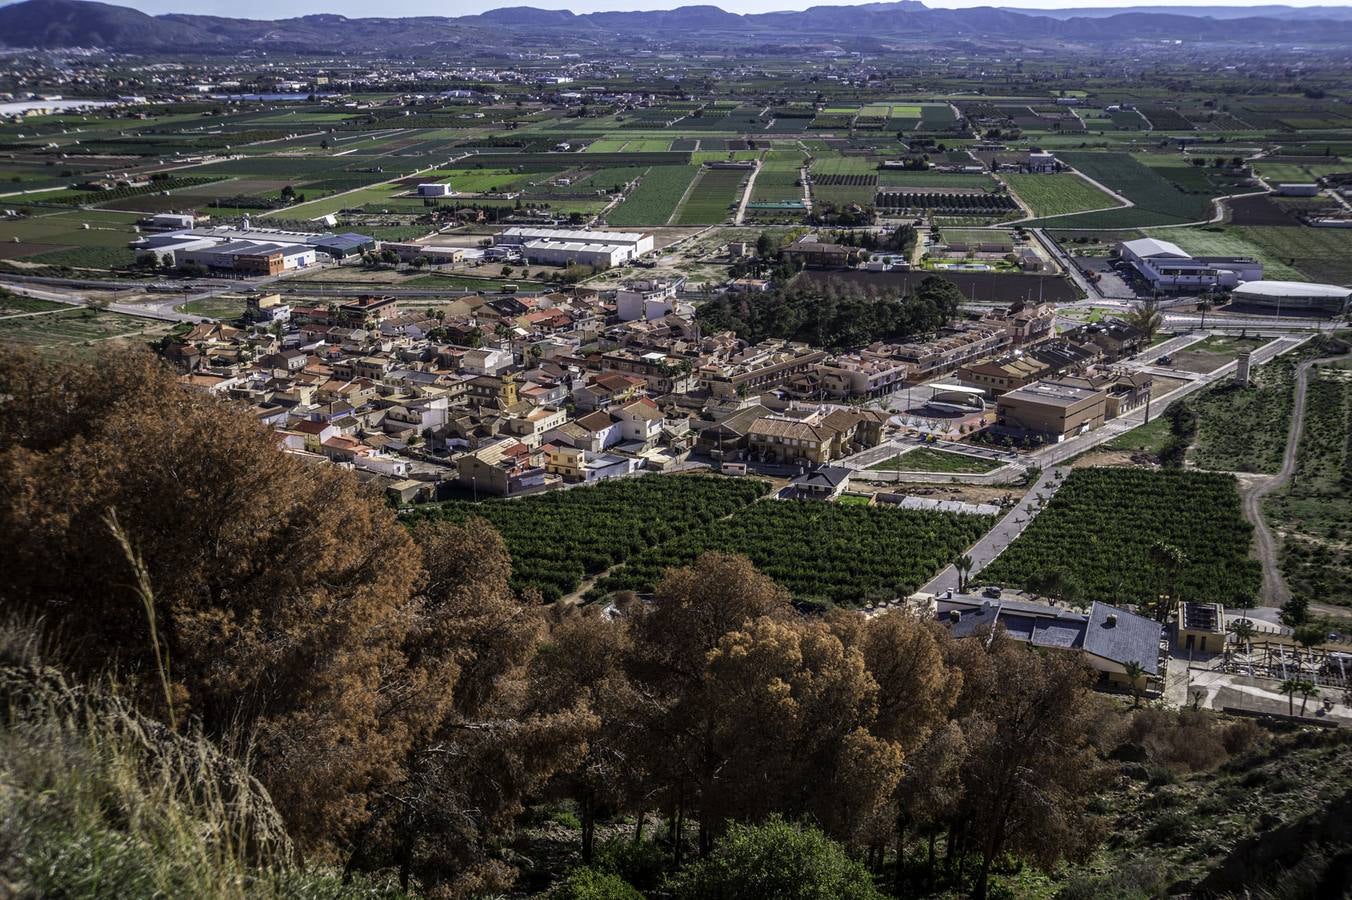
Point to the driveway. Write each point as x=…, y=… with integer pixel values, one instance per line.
x=994, y=542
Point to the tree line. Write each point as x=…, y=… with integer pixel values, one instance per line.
x=403, y=706
x=833, y=314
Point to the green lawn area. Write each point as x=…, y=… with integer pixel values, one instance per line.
x=925, y=459
x=1056, y=195
x=228, y=308
x=1150, y=438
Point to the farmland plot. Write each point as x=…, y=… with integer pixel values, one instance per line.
x=1158, y=200
x=1101, y=526
x=821, y=552
x=558, y=538
x=1055, y=195
x=655, y=198
x=711, y=199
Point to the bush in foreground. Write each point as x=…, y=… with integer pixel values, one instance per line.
x=777, y=859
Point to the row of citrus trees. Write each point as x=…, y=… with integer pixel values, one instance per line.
x=558, y=538
x=1131, y=535
x=823, y=553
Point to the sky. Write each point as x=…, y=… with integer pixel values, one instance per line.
x=274, y=9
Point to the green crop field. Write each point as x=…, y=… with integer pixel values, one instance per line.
x=711, y=200
x=925, y=459
x=1125, y=513
x=1158, y=201
x=1230, y=240
x=556, y=539
x=827, y=553
x=655, y=198
x=926, y=180
x=1055, y=195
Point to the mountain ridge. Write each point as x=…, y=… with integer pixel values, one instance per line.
x=85, y=23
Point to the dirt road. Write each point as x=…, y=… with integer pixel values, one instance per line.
x=1274, y=591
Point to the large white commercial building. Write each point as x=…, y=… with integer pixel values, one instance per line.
x=1292, y=296
x=562, y=246
x=1168, y=267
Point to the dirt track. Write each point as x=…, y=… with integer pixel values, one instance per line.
x=1274, y=591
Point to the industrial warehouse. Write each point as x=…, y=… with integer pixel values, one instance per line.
x=248, y=251
x=562, y=247
x=1168, y=267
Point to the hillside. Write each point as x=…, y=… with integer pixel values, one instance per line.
x=79, y=23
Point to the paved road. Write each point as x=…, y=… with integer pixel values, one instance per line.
x=993, y=542
x=1274, y=590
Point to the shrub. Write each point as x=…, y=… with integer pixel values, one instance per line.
x=589, y=884
x=641, y=863
x=777, y=859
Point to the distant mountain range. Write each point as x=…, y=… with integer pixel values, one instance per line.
x=77, y=23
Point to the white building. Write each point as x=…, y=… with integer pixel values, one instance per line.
x=1041, y=162
x=1168, y=267
x=435, y=190
x=567, y=253
x=647, y=300
x=1292, y=296
x=564, y=246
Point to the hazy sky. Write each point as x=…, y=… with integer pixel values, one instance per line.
x=274, y=9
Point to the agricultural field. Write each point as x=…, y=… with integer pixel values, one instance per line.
x=823, y=553
x=1124, y=514
x=659, y=190
x=906, y=178
x=925, y=459
x=1158, y=201
x=712, y=198
x=559, y=538
x=1313, y=515
x=1244, y=429
x=1058, y=195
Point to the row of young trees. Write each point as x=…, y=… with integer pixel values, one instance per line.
x=402, y=705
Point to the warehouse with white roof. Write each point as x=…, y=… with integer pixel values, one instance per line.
x=1168, y=267
x=563, y=246
x=1292, y=296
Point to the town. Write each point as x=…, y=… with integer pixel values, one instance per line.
x=521, y=425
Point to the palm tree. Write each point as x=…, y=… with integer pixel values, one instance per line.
x=964, y=567
x=1202, y=306
x=1307, y=689
x=1244, y=631
x=1136, y=675
x=1290, y=687
x=1172, y=560
x=1146, y=316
